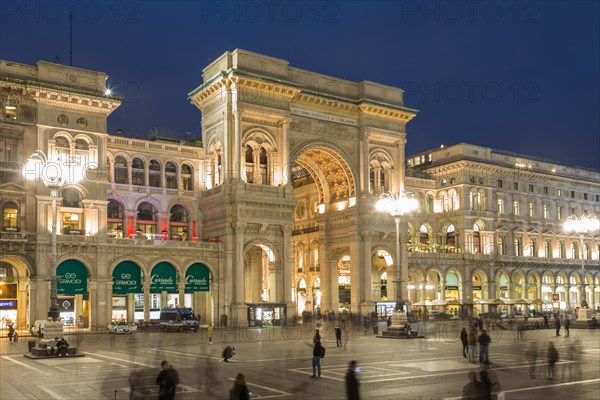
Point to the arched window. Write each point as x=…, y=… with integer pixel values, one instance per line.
x=137, y=172
x=300, y=256
x=187, y=177
x=455, y=201
x=81, y=144
x=533, y=248
x=451, y=239
x=120, y=170
x=249, y=164
x=171, y=175
x=146, y=219
x=517, y=247
x=420, y=201
x=561, y=250
x=264, y=169
x=445, y=205
x=71, y=213
x=154, y=174
x=574, y=253
x=178, y=224
x=10, y=217
x=115, y=218
x=547, y=249
x=424, y=238
x=586, y=252
x=429, y=204
x=501, y=246
x=476, y=239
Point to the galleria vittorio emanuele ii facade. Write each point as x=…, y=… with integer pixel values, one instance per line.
x=272, y=214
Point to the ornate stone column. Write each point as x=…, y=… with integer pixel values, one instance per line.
x=239, y=308
x=146, y=289
x=287, y=274
x=285, y=150
x=181, y=289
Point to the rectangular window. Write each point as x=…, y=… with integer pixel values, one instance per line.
x=531, y=209
x=572, y=194
x=559, y=192
x=559, y=212
x=515, y=207
x=10, y=112
x=585, y=196
x=597, y=197
x=500, y=183
x=531, y=188
x=545, y=189
x=546, y=211
x=516, y=185
x=500, y=206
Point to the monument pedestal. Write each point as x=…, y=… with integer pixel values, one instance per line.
x=397, y=330
x=583, y=315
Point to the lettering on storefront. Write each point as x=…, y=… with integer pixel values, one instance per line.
x=70, y=278
x=162, y=281
x=125, y=280
x=191, y=279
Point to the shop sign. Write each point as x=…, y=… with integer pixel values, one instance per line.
x=555, y=297
x=197, y=278
x=127, y=278
x=4, y=304
x=72, y=278
x=476, y=287
x=66, y=305
x=451, y=287
x=163, y=278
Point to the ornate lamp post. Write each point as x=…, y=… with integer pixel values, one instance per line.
x=582, y=225
x=397, y=206
x=55, y=174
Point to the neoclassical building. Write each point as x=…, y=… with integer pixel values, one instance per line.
x=273, y=213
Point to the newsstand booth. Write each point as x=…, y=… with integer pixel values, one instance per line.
x=266, y=314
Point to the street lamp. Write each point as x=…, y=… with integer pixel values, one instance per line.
x=55, y=173
x=582, y=225
x=397, y=205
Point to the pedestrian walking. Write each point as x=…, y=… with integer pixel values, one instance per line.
x=484, y=342
x=531, y=355
x=11, y=333
x=239, y=390
x=567, y=326
x=546, y=321
x=338, y=336
x=552, y=357
x=366, y=324
x=352, y=381
x=209, y=333
x=490, y=380
x=472, y=339
x=318, y=353
x=167, y=381
x=464, y=338
x=228, y=352
x=557, y=325
x=135, y=382
x=473, y=390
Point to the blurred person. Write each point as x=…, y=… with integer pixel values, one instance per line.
x=317, y=337
x=62, y=347
x=557, y=325
x=11, y=333
x=473, y=390
x=338, y=336
x=572, y=367
x=464, y=338
x=352, y=381
x=484, y=342
x=552, y=358
x=472, y=340
x=136, y=380
x=546, y=321
x=567, y=326
x=167, y=380
x=346, y=337
x=209, y=333
x=490, y=380
x=531, y=355
x=239, y=390
x=228, y=352
x=51, y=347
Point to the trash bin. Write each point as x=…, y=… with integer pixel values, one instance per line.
x=30, y=345
x=224, y=320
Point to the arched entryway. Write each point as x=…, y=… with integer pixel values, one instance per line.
x=72, y=293
x=127, y=292
x=163, y=289
x=197, y=290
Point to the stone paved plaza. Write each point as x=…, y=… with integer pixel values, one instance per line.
x=277, y=364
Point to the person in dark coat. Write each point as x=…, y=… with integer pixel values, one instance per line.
x=352, y=382
x=567, y=326
x=552, y=360
x=316, y=360
x=464, y=338
x=167, y=380
x=484, y=342
x=545, y=321
x=317, y=337
x=338, y=336
x=228, y=352
x=11, y=333
x=557, y=326
x=239, y=390
x=473, y=390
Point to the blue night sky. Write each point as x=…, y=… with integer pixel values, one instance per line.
x=517, y=76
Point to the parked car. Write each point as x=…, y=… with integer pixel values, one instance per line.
x=121, y=327
x=181, y=319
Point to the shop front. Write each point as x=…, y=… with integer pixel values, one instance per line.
x=8, y=294
x=385, y=309
x=72, y=291
x=8, y=312
x=197, y=290
x=163, y=288
x=127, y=283
x=266, y=314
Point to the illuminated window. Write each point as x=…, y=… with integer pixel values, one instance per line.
x=146, y=218
x=120, y=169
x=547, y=249
x=115, y=216
x=517, y=247
x=531, y=209
x=10, y=112
x=559, y=212
x=516, y=210
x=10, y=217
x=546, y=211
x=72, y=223
x=500, y=206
